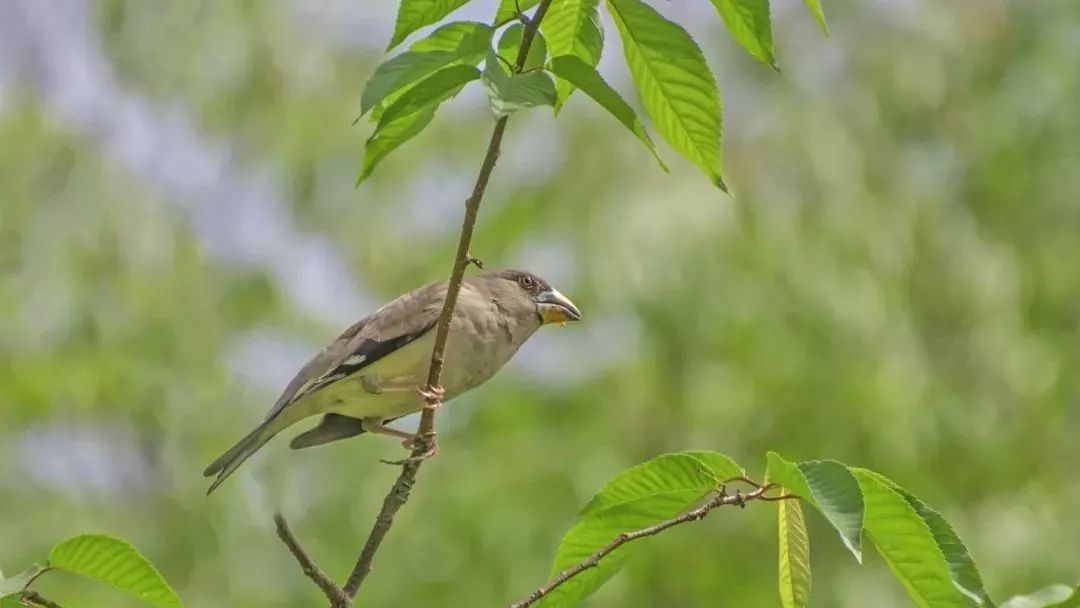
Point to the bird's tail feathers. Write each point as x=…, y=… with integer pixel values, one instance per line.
x=236, y=455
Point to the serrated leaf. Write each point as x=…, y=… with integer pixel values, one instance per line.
x=907, y=544
x=750, y=26
x=508, y=10
x=572, y=27
x=641, y=496
x=573, y=70
x=415, y=14
x=431, y=91
x=720, y=466
x=412, y=112
x=1054, y=596
x=965, y=574
x=399, y=72
x=831, y=488
x=114, y=561
x=15, y=584
x=509, y=93
x=469, y=40
x=674, y=476
x=457, y=43
x=392, y=135
x=819, y=14
x=510, y=45
x=675, y=83
x=794, y=555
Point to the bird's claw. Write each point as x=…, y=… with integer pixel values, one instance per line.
x=431, y=449
x=432, y=395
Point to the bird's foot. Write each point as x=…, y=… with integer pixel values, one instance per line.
x=432, y=395
x=430, y=445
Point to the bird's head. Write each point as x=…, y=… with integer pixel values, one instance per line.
x=523, y=293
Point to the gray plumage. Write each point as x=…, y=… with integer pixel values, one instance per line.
x=370, y=374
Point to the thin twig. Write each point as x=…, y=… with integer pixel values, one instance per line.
x=36, y=598
x=399, y=492
x=722, y=498
x=337, y=597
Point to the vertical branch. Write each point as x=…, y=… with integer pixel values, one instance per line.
x=399, y=492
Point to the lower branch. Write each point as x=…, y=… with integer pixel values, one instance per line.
x=337, y=597
x=722, y=498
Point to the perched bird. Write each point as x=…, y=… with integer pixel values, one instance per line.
x=376, y=371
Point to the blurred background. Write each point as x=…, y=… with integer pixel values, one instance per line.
x=894, y=284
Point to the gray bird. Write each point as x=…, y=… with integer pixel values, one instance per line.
x=375, y=371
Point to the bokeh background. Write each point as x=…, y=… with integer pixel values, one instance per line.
x=894, y=284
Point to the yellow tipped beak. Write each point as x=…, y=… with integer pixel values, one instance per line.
x=554, y=307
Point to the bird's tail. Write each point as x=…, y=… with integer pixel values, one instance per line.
x=236, y=455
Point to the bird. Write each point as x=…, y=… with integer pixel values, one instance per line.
x=376, y=370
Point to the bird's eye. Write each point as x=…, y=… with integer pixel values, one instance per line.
x=527, y=282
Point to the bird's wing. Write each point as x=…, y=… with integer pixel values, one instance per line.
x=368, y=340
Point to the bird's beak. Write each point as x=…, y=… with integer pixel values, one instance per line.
x=554, y=307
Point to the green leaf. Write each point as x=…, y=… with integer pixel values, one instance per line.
x=11, y=602
x=509, y=93
x=390, y=136
x=431, y=91
x=642, y=496
x=412, y=112
x=675, y=83
x=794, y=555
x=819, y=14
x=907, y=544
x=1055, y=596
x=572, y=27
x=750, y=25
x=508, y=10
x=831, y=488
x=961, y=565
x=720, y=466
x=510, y=44
x=458, y=43
x=680, y=477
x=415, y=14
x=117, y=563
x=15, y=584
x=573, y=70
x=400, y=71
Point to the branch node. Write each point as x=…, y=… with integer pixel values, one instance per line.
x=475, y=261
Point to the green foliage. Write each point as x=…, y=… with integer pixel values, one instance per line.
x=455, y=43
x=508, y=9
x=415, y=14
x=675, y=82
x=750, y=25
x=573, y=28
x=819, y=14
x=642, y=496
x=922, y=549
x=965, y=574
x=106, y=559
x=510, y=44
x=510, y=92
x=794, y=555
x=905, y=541
x=830, y=487
x=573, y=70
